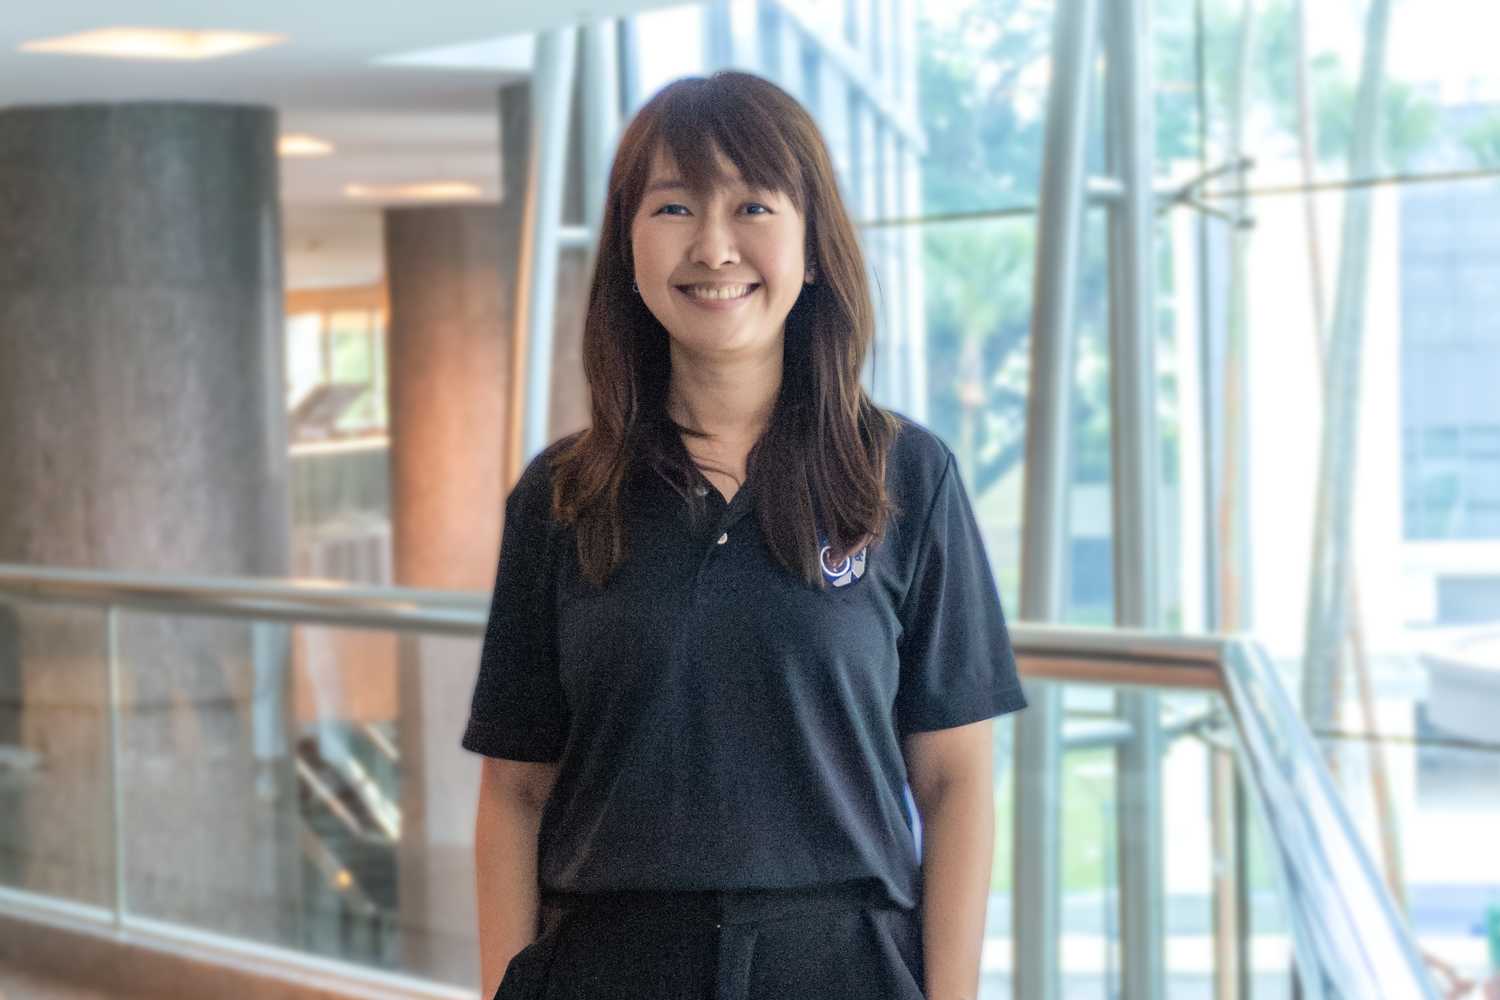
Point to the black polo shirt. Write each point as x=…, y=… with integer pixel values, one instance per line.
x=719, y=723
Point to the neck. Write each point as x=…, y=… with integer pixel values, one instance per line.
x=731, y=399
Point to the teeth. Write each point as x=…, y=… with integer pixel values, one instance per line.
x=717, y=291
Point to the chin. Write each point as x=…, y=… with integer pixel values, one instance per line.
x=706, y=344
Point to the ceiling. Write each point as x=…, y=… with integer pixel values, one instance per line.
x=390, y=123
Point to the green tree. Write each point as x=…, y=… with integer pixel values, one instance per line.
x=981, y=107
x=1408, y=121
x=982, y=112
x=1408, y=125
x=1483, y=141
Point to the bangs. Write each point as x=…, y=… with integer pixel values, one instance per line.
x=697, y=122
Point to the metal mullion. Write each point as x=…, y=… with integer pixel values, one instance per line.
x=1134, y=487
x=551, y=96
x=1038, y=757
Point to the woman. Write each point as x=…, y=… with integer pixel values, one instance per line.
x=736, y=617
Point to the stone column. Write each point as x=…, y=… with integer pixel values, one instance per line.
x=449, y=364
x=451, y=275
x=142, y=428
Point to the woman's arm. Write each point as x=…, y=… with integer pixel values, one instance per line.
x=951, y=772
x=511, y=797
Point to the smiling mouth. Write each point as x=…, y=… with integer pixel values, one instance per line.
x=717, y=293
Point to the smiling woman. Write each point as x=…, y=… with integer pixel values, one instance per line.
x=735, y=618
x=717, y=183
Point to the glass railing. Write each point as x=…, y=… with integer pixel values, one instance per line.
x=1350, y=939
x=1171, y=870
x=269, y=773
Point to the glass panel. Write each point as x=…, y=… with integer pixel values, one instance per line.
x=1189, y=785
x=1272, y=961
x=1425, y=546
x=55, y=791
x=352, y=346
x=378, y=397
x=977, y=277
x=1199, y=832
x=1181, y=519
x=208, y=830
x=304, y=355
x=1433, y=835
x=671, y=45
x=341, y=523
x=1174, y=74
x=1411, y=755
x=1198, y=780
x=982, y=91
x=1089, y=860
x=1089, y=599
x=273, y=796
x=1439, y=84
x=1449, y=364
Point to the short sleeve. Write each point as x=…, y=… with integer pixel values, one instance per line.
x=519, y=711
x=957, y=665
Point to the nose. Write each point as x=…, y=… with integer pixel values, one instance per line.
x=713, y=244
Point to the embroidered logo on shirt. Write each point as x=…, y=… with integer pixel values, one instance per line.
x=846, y=572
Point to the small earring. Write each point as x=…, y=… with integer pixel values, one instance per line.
x=812, y=276
x=635, y=288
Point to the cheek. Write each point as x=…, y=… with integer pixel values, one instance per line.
x=645, y=250
x=782, y=261
x=656, y=258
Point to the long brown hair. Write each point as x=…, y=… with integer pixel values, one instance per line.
x=821, y=461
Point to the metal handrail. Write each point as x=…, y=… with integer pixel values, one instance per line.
x=1054, y=652
x=321, y=602
x=1350, y=941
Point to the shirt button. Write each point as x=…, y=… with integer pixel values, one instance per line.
x=723, y=538
x=700, y=491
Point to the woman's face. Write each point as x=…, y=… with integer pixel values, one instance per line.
x=722, y=270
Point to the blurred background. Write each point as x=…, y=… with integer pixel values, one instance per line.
x=1204, y=295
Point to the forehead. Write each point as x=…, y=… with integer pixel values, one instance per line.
x=720, y=172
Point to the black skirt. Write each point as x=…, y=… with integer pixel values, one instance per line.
x=844, y=942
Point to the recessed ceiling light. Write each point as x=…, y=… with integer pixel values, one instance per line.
x=295, y=144
x=153, y=43
x=437, y=190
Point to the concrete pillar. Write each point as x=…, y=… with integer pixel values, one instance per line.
x=142, y=427
x=450, y=380
x=452, y=278
x=452, y=274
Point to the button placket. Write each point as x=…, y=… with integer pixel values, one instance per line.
x=718, y=510
x=725, y=516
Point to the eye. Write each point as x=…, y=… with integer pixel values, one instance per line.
x=756, y=204
x=669, y=205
